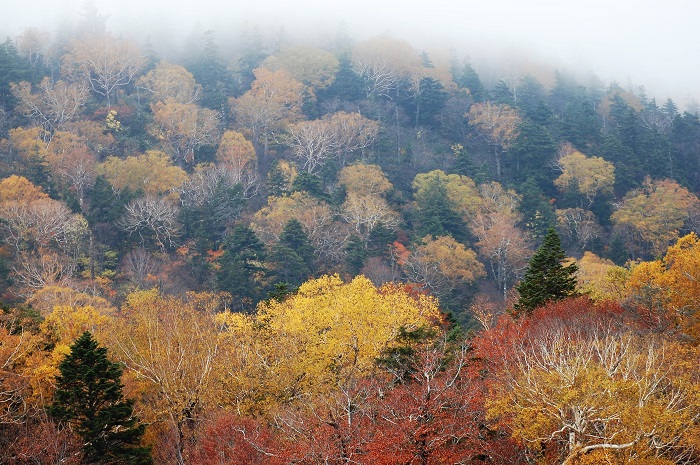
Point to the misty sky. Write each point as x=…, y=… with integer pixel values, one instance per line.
x=651, y=42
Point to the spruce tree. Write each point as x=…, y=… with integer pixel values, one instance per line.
x=89, y=397
x=546, y=279
x=311, y=184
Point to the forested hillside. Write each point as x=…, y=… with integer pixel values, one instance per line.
x=350, y=252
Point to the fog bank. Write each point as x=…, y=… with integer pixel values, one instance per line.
x=643, y=42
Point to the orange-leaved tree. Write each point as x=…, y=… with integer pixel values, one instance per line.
x=664, y=293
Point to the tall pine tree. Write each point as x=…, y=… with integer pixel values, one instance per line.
x=89, y=397
x=546, y=279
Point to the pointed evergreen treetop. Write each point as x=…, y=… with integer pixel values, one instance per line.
x=240, y=267
x=469, y=79
x=294, y=237
x=89, y=397
x=546, y=279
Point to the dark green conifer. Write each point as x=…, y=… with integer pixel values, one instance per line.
x=436, y=214
x=347, y=85
x=533, y=149
x=89, y=397
x=468, y=78
x=241, y=266
x=294, y=237
x=356, y=254
x=278, y=182
x=293, y=255
x=428, y=102
x=311, y=184
x=13, y=68
x=546, y=279
x=538, y=213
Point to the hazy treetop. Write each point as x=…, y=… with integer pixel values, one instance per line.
x=645, y=42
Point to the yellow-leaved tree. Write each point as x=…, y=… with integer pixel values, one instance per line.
x=170, y=81
x=443, y=265
x=498, y=124
x=61, y=327
x=650, y=217
x=326, y=235
x=152, y=172
x=597, y=277
x=311, y=66
x=363, y=179
x=170, y=346
x=588, y=177
x=325, y=337
x=574, y=385
x=182, y=128
x=236, y=152
x=461, y=190
x=273, y=101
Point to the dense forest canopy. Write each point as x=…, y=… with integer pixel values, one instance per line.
x=349, y=251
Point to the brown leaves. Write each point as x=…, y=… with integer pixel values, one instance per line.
x=311, y=66
x=170, y=82
x=498, y=124
x=182, y=128
x=273, y=101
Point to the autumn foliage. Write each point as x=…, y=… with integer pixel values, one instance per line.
x=335, y=253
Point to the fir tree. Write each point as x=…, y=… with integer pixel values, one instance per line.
x=356, y=254
x=428, y=102
x=469, y=79
x=277, y=181
x=89, y=397
x=13, y=68
x=295, y=238
x=240, y=267
x=531, y=152
x=546, y=279
x=538, y=213
x=436, y=214
x=293, y=255
x=311, y=184
x=347, y=85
